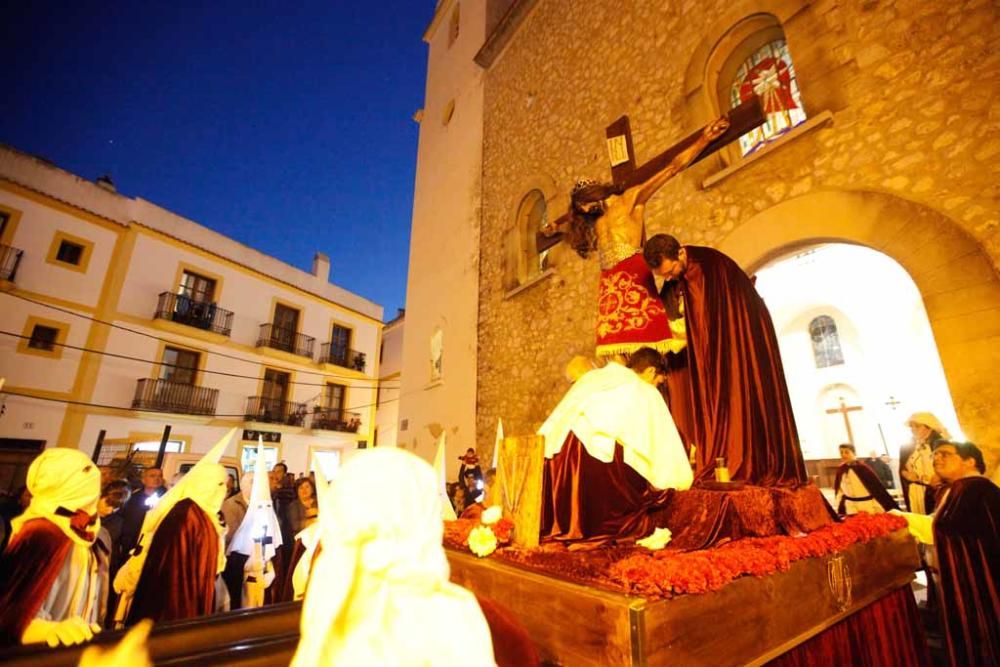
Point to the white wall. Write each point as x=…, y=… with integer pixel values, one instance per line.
x=442, y=287
x=387, y=412
x=888, y=347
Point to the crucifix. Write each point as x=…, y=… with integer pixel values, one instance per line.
x=844, y=410
x=893, y=402
x=621, y=153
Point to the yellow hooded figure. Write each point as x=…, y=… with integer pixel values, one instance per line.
x=171, y=573
x=48, y=573
x=379, y=592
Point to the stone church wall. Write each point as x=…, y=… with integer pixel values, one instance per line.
x=902, y=101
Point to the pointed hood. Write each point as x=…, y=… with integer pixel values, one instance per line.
x=201, y=484
x=260, y=520
x=447, y=511
x=496, y=445
x=204, y=484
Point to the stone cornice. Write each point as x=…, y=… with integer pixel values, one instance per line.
x=504, y=32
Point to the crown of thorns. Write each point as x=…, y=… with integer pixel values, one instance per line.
x=582, y=184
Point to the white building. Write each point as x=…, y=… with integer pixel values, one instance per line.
x=120, y=316
x=390, y=366
x=442, y=298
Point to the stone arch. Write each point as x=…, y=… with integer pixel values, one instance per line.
x=956, y=278
x=519, y=242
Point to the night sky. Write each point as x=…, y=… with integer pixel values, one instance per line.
x=286, y=126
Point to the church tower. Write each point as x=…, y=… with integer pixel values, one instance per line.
x=438, y=386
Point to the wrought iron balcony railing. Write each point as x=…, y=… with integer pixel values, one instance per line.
x=10, y=259
x=275, y=411
x=342, y=356
x=335, y=419
x=184, y=399
x=285, y=339
x=200, y=314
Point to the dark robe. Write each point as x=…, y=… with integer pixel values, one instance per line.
x=882, y=469
x=591, y=502
x=729, y=395
x=871, y=482
x=29, y=566
x=178, y=577
x=512, y=645
x=133, y=514
x=967, y=540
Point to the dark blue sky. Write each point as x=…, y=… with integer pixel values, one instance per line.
x=286, y=126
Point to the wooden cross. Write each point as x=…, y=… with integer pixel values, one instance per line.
x=843, y=409
x=624, y=172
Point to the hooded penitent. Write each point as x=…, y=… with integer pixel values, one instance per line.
x=379, y=592
x=48, y=565
x=259, y=536
x=447, y=511
x=180, y=549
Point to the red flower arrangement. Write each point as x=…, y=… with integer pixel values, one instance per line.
x=668, y=573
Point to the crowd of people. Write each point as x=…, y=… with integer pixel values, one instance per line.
x=88, y=551
x=115, y=526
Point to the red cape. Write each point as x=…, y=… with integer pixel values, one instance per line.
x=178, y=578
x=967, y=539
x=871, y=482
x=28, y=568
x=727, y=389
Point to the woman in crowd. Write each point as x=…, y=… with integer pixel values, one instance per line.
x=302, y=511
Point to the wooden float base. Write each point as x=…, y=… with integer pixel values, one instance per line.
x=748, y=622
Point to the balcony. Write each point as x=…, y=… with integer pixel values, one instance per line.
x=10, y=259
x=285, y=340
x=335, y=419
x=275, y=411
x=342, y=356
x=184, y=399
x=199, y=314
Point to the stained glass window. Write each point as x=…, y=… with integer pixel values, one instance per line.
x=826, y=342
x=769, y=74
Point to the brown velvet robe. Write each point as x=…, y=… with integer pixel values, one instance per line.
x=728, y=393
x=28, y=568
x=590, y=502
x=178, y=578
x=967, y=539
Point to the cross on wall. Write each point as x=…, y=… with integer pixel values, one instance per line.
x=845, y=410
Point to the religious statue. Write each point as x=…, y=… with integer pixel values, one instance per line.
x=610, y=219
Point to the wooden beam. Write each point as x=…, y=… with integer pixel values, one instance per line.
x=742, y=119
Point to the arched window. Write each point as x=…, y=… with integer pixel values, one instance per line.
x=767, y=72
x=523, y=261
x=826, y=342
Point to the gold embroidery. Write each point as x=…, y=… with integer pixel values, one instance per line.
x=625, y=306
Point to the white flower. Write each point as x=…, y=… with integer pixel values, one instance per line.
x=482, y=541
x=657, y=540
x=492, y=515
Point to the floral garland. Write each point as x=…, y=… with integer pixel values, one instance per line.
x=665, y=574
x=672, y=572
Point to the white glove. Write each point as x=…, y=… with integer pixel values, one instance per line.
x=72, y=631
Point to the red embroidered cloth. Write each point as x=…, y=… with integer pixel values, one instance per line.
x=630, y=314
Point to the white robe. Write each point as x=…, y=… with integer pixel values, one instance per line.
x=74, y=592
x=614, y=405
x=851, y=485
